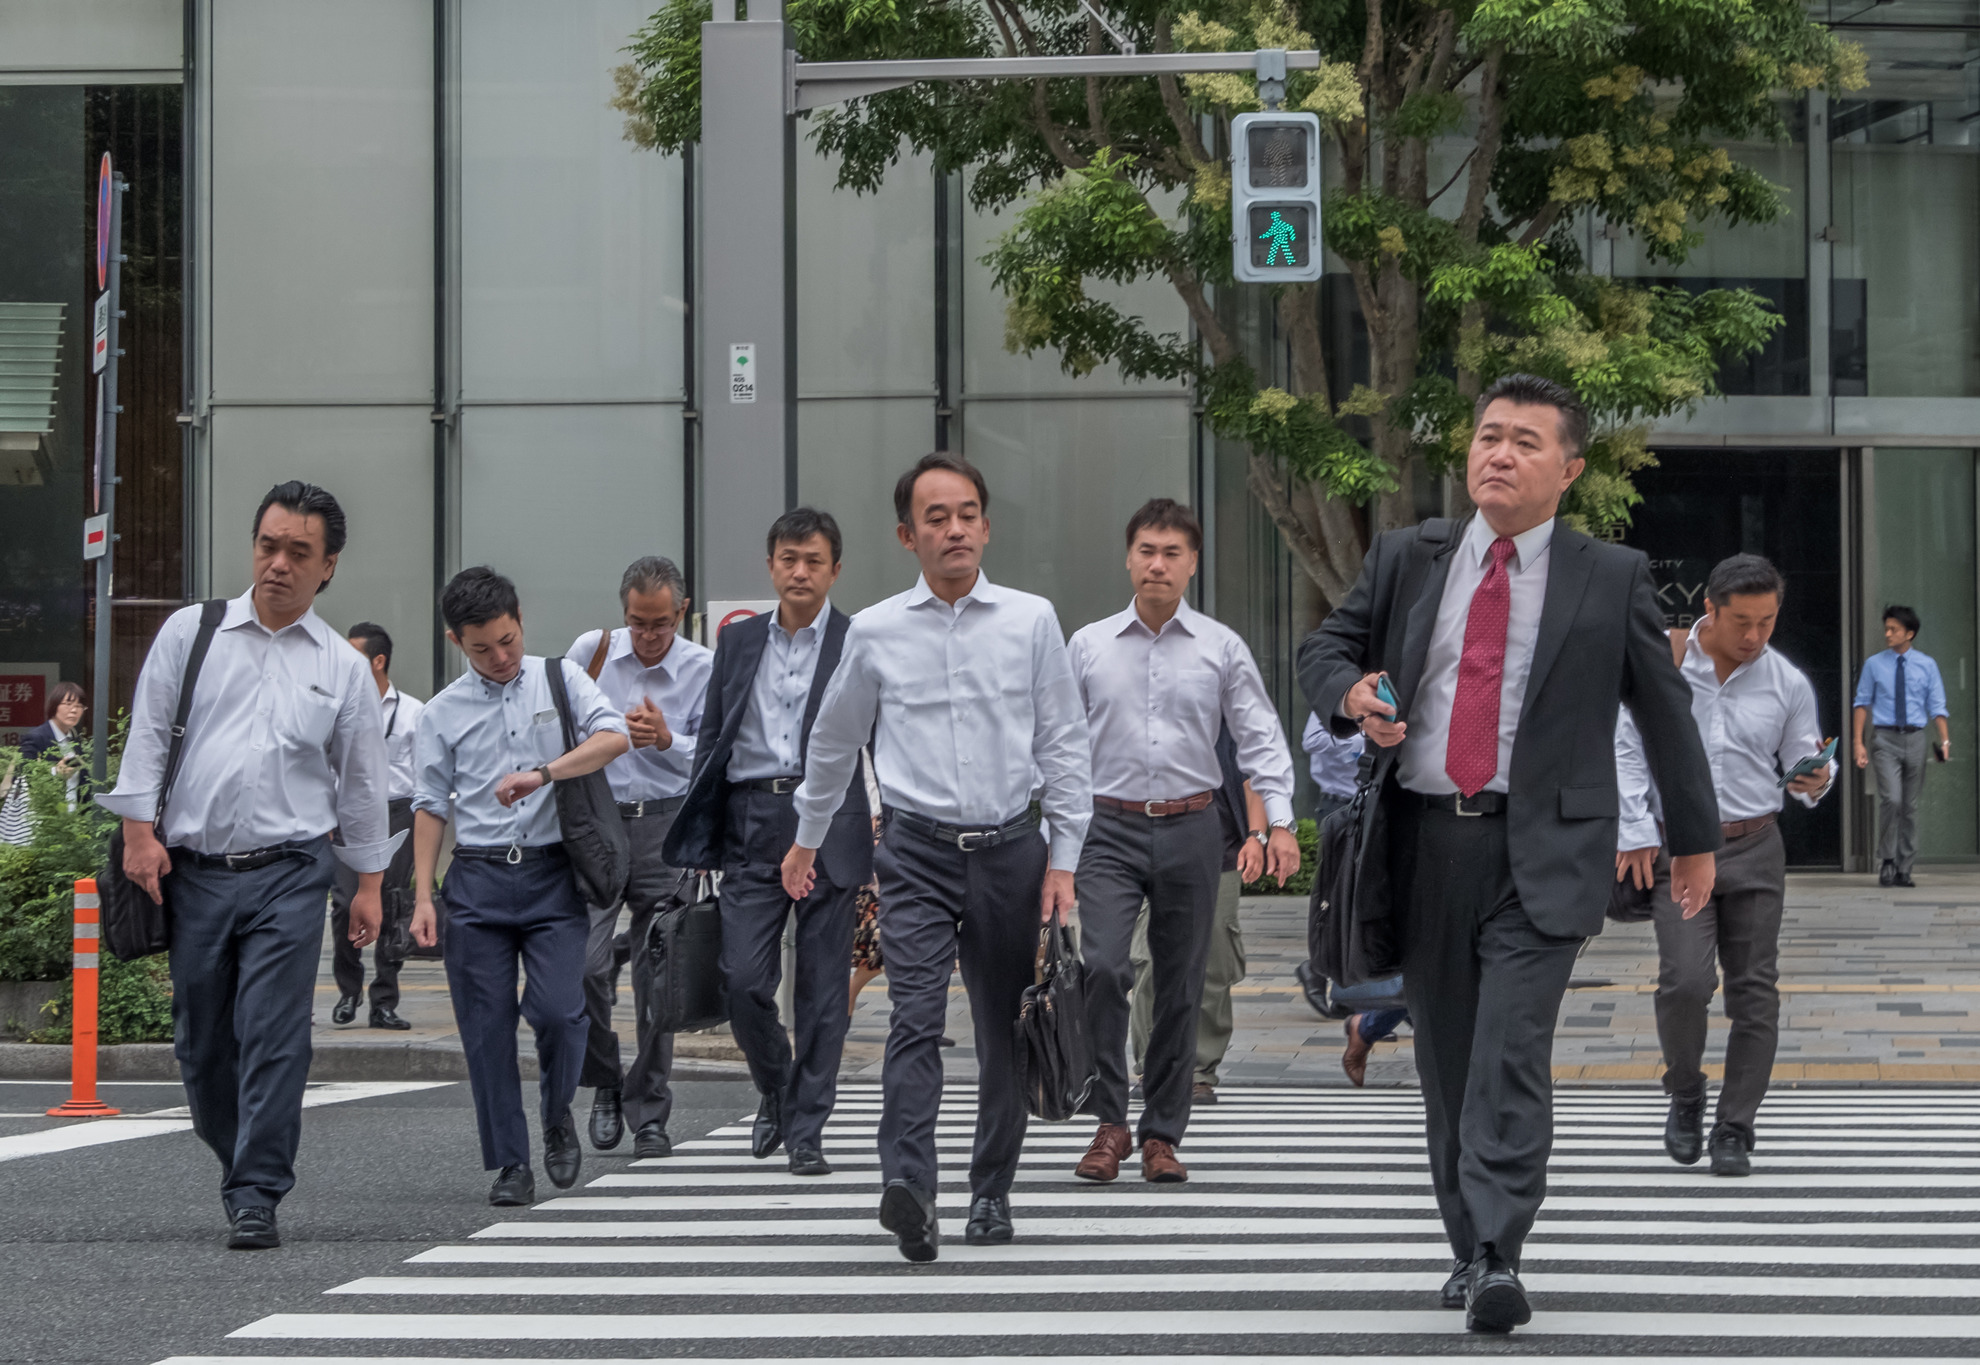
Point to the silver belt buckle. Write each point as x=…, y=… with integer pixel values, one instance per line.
x=1148, y=808
x=784, y=786
x=964, y=836
x=1459, y=807
x=513, y=856
x=234, y=861
x=639, y=810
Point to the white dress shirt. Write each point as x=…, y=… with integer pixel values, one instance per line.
x=401, y=721
x=1761, y=716
x=284, y=741
x=1155, y=701
x=977, y=709
x=1334, y=762
x=678, y=685
x=476, y=732
x=770, y=740
x=1424, y=750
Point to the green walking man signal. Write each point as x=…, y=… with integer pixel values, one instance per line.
x=1275, y=197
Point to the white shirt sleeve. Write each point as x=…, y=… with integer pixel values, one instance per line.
x=363, y=770
x=1801, y=736
x=1261, y=745
x=433, y=766
x=845, y=718
x=1638, y=826
x=152, y=708
x=1060, y=744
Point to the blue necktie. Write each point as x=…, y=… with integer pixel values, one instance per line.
x=1900, y=691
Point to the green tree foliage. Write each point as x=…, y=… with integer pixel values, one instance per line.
x=1531, y=112
x=37, y=912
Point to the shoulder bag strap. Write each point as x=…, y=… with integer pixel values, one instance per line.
x=393, y=723
x=597, y=664
x=553, y=672
x=210, y=615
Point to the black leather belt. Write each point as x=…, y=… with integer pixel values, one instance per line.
x=1480, y=803
x=968, y=838
x=511, y=854
x=776, y=786
x=633, y=810
x=1902, y=729
x=253, y=858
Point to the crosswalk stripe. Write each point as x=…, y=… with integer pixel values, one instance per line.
x=1166, y=1197
x=1552, y=1358
x=1096, y=1323
x=1147, y=1226
x=1017, y=1253
x=1414, y=1179
x=1165, y=1283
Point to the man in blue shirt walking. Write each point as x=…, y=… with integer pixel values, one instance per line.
x=1899, y=693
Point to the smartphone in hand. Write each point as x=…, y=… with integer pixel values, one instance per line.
x=1387, y=696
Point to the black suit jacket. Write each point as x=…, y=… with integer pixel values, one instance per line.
x=1601, y=642
x=701, y=826
x=38, y=741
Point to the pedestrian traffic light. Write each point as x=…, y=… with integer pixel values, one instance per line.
x=1275, y=197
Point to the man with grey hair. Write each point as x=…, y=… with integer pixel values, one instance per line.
x=659, y=681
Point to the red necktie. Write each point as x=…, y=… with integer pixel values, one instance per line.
x=1471, y=753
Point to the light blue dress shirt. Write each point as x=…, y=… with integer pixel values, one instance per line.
x=678, y=685
x=1924, y=689
x=477, y=732
x=977, y=712
x=1335, y=763
x=770, y=740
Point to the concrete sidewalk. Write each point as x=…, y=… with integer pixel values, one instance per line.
x=1878, y=985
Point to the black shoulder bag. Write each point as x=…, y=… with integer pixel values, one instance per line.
x=1350, y=929
x=683, y=987
x=588, y=815
x=134, y=925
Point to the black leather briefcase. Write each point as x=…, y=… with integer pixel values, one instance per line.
x=682, y=988
x=1350, y=930
x=1054, y=1057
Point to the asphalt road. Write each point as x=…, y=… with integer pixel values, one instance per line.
x=1307, y=1229
x=115, y=1253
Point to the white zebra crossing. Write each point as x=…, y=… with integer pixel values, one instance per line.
x=1308, y=1227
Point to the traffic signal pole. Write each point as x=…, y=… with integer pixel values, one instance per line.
x=753, y=87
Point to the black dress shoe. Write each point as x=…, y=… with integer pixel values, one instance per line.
x=910, y=1215
x=563, y=1154
x=651, y=1141
x=1313, y=986
x=253, y=1229
x=345, y=1009
x=385, y=1017
x=1886, y=875
x=1729, y=1149
x=608, y=1119
x=989, y=1220
x=1904, y=879
x=1453, y=1295
x=513, y=1188
x=1684, y=1129
x=768, y=1134
x=1494, y=1299
x=809, y=1161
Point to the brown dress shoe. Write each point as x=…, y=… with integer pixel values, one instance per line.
x=1354, y=1057
x=1103, y=1159
x=1159, y=1165
x=1203, y=1093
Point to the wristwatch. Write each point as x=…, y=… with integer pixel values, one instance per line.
x=543, y=772
x=1262, y=836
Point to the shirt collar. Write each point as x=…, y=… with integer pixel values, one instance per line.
x=1696, y=657
x=241, y=612
x=810, y=632
x=622, y=647
x=983, y=591
x=1184, y=620
x=1528, y=545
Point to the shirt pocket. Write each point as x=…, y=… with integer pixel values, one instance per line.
x=546, y=735
x=310, y=717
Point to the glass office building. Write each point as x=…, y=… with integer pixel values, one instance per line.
x=402, y=248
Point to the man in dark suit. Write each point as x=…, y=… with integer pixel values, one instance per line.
x=770, y=673
x=1509, y=639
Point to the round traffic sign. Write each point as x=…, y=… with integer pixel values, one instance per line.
x=103, y=223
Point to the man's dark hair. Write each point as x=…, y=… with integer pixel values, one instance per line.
x=306, y=500
x=1744, y=576
x=373, y=640
x=1166, y=514
x=651, y=574
x=1532, y=389
x=474, y=597
x=941, y=459
x=801, y=524
x=1904, y=616
x=64, y=691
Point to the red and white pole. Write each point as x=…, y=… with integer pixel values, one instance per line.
x=82, y=1102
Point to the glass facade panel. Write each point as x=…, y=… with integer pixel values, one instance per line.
x=866, y=282
x=570, y=236
x=1924, y=558
x=1064, y=478
x=850, y=451
x=1906, y=205
x=561, y=498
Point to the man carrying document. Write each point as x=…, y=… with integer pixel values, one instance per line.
x=1756, y=714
